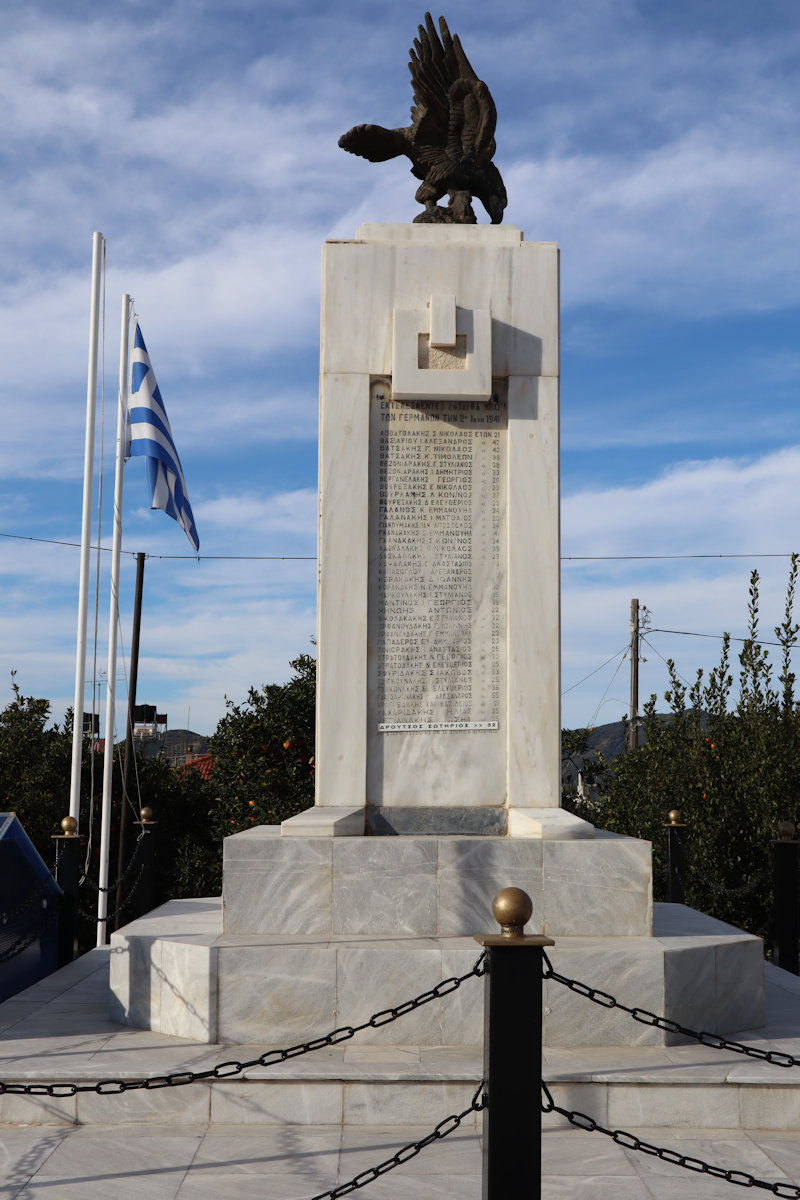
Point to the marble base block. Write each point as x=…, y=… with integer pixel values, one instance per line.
x=281, y=989
x=432, y=886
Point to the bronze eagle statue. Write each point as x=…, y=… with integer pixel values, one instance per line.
x=451, y=138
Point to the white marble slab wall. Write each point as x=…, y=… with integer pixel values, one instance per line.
x=391, y=269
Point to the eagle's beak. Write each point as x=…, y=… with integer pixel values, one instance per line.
x=496, y=206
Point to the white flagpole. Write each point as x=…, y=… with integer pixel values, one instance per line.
x=113, y=621
x=86, y=532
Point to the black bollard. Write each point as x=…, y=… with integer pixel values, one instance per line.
x=676, y=858
x=785, y=923
x=66, y=873
x=512, y=1053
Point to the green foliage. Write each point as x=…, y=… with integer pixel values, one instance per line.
x=733, y=770
x=263, y=754
x=263, y=772
x=34, y=767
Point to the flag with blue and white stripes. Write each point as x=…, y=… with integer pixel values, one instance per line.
x=149, y=434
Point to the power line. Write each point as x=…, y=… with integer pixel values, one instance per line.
x=718, y=636
x=608, y=689
x=21, y=537
x=194, y=557
x=624, y=650
x=657, y=557
x=656, y=650
x=240, y=557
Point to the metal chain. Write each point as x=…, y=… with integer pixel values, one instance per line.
x=29, y=937
x=644, y=1017
x=226, y=1070
x=95, y=887
x=90, y=916
x=28, y=902
x=629, y=1141
x=406, y=1153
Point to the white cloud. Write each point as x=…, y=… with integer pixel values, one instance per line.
x=721, y=506
x=286, y=512
x=748, y=507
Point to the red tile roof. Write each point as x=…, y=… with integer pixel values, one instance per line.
x=202, y=764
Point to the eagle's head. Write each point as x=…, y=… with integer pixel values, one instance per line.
x=489, y=188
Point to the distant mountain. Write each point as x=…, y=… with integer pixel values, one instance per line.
x=612, y=739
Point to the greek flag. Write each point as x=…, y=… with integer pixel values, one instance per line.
x=149, y=434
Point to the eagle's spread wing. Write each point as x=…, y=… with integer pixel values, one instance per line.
x=432, y=76
x=453, y=110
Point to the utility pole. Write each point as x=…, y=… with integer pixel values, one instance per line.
x=633, y=729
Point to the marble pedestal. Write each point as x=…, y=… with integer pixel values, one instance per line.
x=316, y=933
x=432, y=886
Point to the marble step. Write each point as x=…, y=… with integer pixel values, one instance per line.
x=59, y=1030
x=176, y=973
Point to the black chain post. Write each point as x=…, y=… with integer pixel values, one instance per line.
x=785, y=924
x=676, y=858
x=147, y=849
x=66, y=872
x=512, y=1052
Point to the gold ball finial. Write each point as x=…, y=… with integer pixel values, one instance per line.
x=69, y=826
x=512, y=910
x=675, y=816
x=786, y=831
x=147, y=814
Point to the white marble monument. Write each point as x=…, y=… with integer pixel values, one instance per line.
x=438, y=705
x=438, y=735
x=438, y=702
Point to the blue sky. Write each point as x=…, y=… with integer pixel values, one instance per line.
x=656, y=143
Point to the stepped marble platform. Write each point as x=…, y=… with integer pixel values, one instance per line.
x=175, y=972
x=59, y=1030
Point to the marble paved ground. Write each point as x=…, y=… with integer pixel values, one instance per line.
x=195, y=1162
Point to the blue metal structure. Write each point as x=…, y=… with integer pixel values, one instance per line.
x=29, y=906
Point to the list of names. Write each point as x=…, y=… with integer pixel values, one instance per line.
x=437, y=597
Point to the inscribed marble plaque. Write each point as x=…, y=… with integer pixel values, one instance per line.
x=437, y=598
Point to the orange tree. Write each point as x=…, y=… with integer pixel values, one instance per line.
x=263, y=753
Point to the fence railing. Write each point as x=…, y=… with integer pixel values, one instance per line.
x=512, y=1094
x=139, y=874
